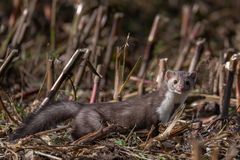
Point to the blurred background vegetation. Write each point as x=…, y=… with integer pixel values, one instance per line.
x=215, y=20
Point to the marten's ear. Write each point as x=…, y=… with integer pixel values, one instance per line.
x=193, y=76
x=169, y=74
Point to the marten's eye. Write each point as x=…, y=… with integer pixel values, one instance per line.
x=187, y=83
x=175, y=81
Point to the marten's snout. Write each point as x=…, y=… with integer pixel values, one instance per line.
x=182, y=86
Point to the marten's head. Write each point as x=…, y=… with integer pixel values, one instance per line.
x=180, y=81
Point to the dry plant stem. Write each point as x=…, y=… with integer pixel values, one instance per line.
x=198, y=28
x=97, y=31
x=216, y=79
x=183, y=53
x=25, y=94
x=150, y=132
x=99, y=134
x=53, y=25
x=215, y=153
x=149, y=46
x=111, y=42
x=73, y=88
x=16, y=9
x=227, y=94
x=4, y=45
x=97, y=58
x=65, y=72
x=228, y=88
x=26, y=19
x=232, y=152
x=182, y=56
x=50, y=74
x=14, y=153
x=52, y=130
x=214, y=98
x=224, y=56
x=197, y=55
x=238, y=87
x=141, y=88
x=167, y=133
x=186, y=16
x=81, y=69
x=15, y=39
x=129, y=75
x=25, y=140
x=196, y=150
x=118, y=78
x=137, y=79
x=71, y=44
x=20, y=27
x=88, y=26
x=221, y=78
x=124, y=55
x=9, y=59
x=185, y=25
x=47, y=155
x=95, y=90
x=162, y=64
x=3, y=107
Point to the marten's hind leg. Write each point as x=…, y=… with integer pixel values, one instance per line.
x=85, y=122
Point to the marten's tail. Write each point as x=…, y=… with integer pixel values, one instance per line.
x=47, y=117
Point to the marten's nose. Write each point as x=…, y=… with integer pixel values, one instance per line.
x=180, y=87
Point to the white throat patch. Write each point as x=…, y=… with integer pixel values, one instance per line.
x=166, y=107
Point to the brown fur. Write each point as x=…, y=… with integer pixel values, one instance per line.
x=139, y=112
